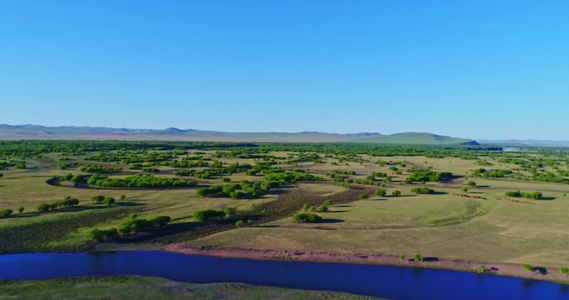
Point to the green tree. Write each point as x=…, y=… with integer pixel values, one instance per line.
x=249, y=222
x=472, y=183
x=364, y=196
x=5, y=212
x=418, y=257
x=43, y=207
x=239, y=224
x=122, y=197
x=21, y=209
x=380, y=193
x=396, y=193
x=229, y=211
x=109, y=200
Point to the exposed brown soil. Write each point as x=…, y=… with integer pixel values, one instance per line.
x=507, y=269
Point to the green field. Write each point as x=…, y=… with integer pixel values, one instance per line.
x=480, y=224
x=150, y=288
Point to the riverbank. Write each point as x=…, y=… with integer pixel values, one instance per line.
x=504, y=269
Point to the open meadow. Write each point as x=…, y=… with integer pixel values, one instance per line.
x=458, y=202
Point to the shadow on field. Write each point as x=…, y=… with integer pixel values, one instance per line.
x=331, y=221
x=25, y=215
x=439, y=193
x=337, y=211
x=546, y=198
x=539, y=270
x=344, y=205
x=129, y=204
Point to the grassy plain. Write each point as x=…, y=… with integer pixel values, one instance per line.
x=450, y=223
x=150, y=288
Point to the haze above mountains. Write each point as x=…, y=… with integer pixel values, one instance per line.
x=17, y=132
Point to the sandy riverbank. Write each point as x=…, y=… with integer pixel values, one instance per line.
x=506, y=269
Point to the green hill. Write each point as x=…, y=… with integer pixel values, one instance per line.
x=411, y=138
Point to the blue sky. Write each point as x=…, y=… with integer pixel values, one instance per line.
x=474, y=69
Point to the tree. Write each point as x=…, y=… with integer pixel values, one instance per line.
x=464, y=189
x=122, y=197
x=306, y=207
x=230, y=211
x=249, y=222
x=418, y=257
x=239, y=224
x=380, y=193
x=472, y=183
x=5, y=212
x=20, y=209
x=364, y=196
x=109, y=200
x=1, y=175
x=396, y=193
x=43, y=207
x=98, y=198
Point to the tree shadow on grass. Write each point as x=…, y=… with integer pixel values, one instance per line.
x=547, y=198
x=331, y=221
x=343, y=205
x=25, y=215
x=439, y=193
x=337, y=211
x=129, y=204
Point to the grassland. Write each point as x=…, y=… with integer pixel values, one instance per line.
x=480, y=224
x=150, y=288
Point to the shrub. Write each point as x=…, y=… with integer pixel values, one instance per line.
x=249, y=222
x=230, y=211
x=423, y=190
x=21, y=209
x=481, y=269
x=327, y=202
x=306, y=207
x=227, y=179
x=418, y=257
x=5, y=212
x=204, y=215
x=239, y=224
x=564, y=271
x=99, y=235
x=402, y=257
x=380, y=193
x=464, y=189
x=43, y=207
x=160, y=220
x=122, y=197
x=108, y=200
x=306, y=217
x=527, y=267
x=323, y=208
x=472, y=183
x=364, y=196
x=396, y=193
x=98, y=198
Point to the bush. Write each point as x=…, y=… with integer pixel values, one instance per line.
x=21, y=209
x=230, y=211
x=43, y=207
x=160, y=220
x=464, y=189
x=249, y=222
x=323, y=208
x=423, y=190
x=204, y=215
x=239, y=224
x=108, y=200
x=364, y=196
x=527, y=267
x=396, y=193
x=472, y=183
x=306, y=207
x=98, y=198
x=380, y=193
x=418, y=257
x=122, y=197
x=306, y=217
x=402, y=257
x=100, y=235
x=226, y=179
x=564, y=271
x=327, y=202
x=5, y=212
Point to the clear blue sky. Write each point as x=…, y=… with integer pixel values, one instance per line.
x=484, y=69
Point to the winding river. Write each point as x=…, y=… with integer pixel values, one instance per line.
x=379, y=281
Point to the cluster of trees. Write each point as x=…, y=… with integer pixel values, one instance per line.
x=73, y=178
x=234, y=190
x=100, y=169
x=307, y=217
x=128, y=158
x=105, y=200
x=518, y=194
x=490, y=174
x=5, y=212
x=291, y=177
x=130, y=226
x=64, y=166
x=423, y=190
x=139, y=181
x=66, y=202
x=208, y=214
x=423, y=175
x=380, y=193
x=240, y=223
x=324, y=207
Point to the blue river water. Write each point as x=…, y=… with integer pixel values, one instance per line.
x=379, y=281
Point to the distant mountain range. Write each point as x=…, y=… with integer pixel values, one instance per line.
x=9, y=132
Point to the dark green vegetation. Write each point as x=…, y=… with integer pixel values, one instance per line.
x=150, y=288
x=306, y=217
x=518, y=194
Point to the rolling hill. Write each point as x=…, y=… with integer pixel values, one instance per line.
x=17, y=132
